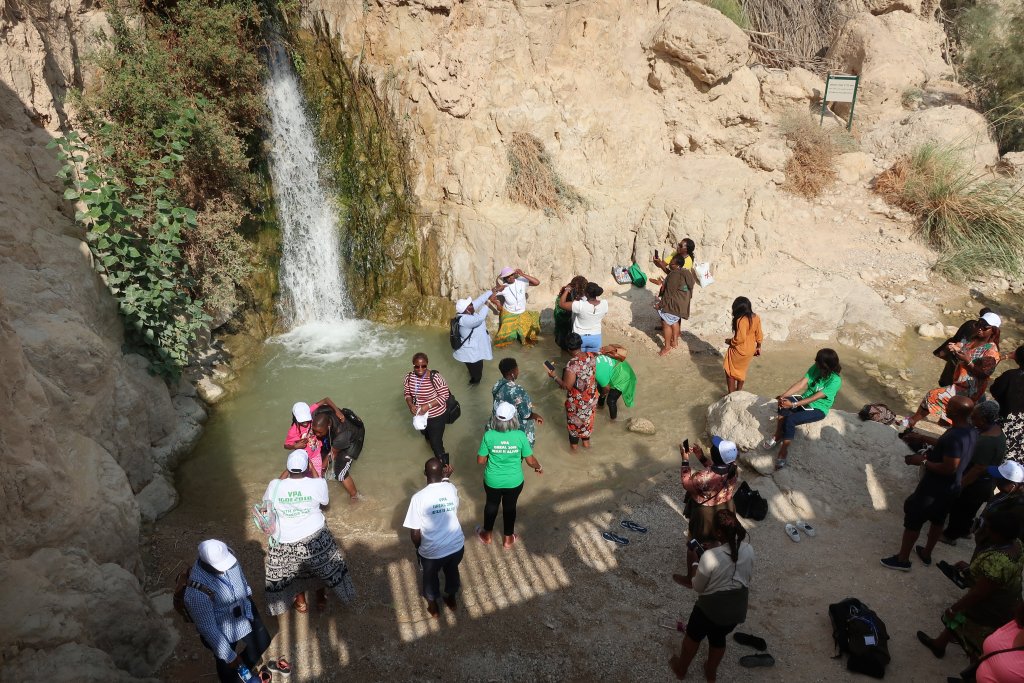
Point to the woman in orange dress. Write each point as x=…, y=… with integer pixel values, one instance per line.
x=744, y=344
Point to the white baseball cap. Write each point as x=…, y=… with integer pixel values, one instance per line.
x=726, y=449
x=1009, y=470
x=298, y=461
x=462, y=304
x=992, y=319
x=505, y=411
x=300, y=411
x=217, y=555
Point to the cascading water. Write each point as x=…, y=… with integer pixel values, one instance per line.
x=312, y=286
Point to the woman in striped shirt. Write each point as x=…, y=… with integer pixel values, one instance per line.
x=426, y=393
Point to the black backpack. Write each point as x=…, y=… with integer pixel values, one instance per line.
x=860, y=633
x=749, y=503
x=454, y=338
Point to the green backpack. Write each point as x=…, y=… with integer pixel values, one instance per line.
x=638, y=276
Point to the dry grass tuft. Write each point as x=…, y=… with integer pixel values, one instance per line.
x=791, y=33
x=811, y=169
x=533, y=180
x=976, y=223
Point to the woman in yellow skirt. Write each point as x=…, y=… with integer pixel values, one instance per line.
x=744, y=344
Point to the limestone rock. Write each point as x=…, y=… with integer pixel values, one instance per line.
x=157, y=499
x=210, y=391
x=840, y=444
x=768, y=155
x=854, y=168
x=891, y=53
x=932, y=331
x=640, y=425
x=1015, y=162
x=783, y=91
x=707, y=43
x=957, y=127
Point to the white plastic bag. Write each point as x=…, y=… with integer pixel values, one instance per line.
x=703, y=273
x=419, y=422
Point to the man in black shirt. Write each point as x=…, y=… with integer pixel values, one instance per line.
x=935, y=493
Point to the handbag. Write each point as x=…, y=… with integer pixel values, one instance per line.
x=452, y=407
x=264, y=516
x=969, y=675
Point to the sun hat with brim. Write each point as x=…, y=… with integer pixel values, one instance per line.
x=462, y=304
x=1009, y=470
x=505, y=272
x=217, y=555
x=298, y=461
x=300, y=411
x=726, y=449
x=505, y=411
x=992, y=319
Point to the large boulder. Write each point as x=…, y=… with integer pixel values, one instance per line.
x=891, y=53
x=954, y=126
x=703, y=40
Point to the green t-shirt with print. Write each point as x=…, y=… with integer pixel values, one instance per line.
x=504, y=451
x=604, y=366
x=827, y=385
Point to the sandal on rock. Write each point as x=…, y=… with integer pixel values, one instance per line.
x=806, y=528
x=633, y=526
x=281, y=666
x=793, y=534
x=750, y=641
x=614, y=538
x=750, y=661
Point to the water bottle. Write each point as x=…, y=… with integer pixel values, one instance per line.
x=244, y=673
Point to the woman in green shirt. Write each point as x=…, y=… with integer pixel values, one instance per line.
x=615, y=379
x=502, y=450
x=818, y=388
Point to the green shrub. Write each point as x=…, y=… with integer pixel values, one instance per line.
x=975, y=223
x=732, y=9
x=992, y=39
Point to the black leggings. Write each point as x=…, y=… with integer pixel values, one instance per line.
x=255, y=644
x=613, y=402
x=476, y=371
x=507, y=499
x=434, y=434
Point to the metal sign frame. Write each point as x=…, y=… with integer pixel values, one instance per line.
x=853, y=102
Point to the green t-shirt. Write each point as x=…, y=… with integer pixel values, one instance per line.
x=604, y=365
x=504, y=451
x=990, y=450
x=827, y=385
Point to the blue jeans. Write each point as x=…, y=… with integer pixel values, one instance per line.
x=791, y=419
x=431, y=575
x=591, y=342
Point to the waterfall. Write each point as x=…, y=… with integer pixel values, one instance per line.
x=312, y=286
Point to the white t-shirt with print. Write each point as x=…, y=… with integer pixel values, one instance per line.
x=515, y=295
x=587, y=317
x=297, y=502
x=434, y=510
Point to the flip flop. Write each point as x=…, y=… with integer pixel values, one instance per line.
x=614, y=538
x=264, y=675
x=793, y=534
x=633, y=526
x=750, y=641
x=281, y=666
x=806, y=528
x=750, y=661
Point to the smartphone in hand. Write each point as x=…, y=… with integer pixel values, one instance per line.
x=549, y=365
x=686, y=445
x=656, y=254
x=694, y=545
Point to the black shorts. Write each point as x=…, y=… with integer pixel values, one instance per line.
x=926, y=504
x=700, y=627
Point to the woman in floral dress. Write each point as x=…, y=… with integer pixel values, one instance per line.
x=579, y=381
x=508, y=390
x=975, y=362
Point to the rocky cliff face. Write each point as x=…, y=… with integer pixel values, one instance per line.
x=86, y=434
x=658, y=115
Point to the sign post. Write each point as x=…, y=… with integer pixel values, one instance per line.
x=840, y=88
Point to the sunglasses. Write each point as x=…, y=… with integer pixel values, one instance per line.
x=418, y=365
x=982, y=325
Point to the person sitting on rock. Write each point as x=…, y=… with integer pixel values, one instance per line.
x=818, y=388
x=976, y=361
x=931, y=500
x=514, y=321
x=615, y=379
x=219, y=601
x=963, y=334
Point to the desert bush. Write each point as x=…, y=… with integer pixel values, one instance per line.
x=732, y=9
x=976, y=223
x=533, y=181
x=811, y=169
x=792, y=33
x=991, y=42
